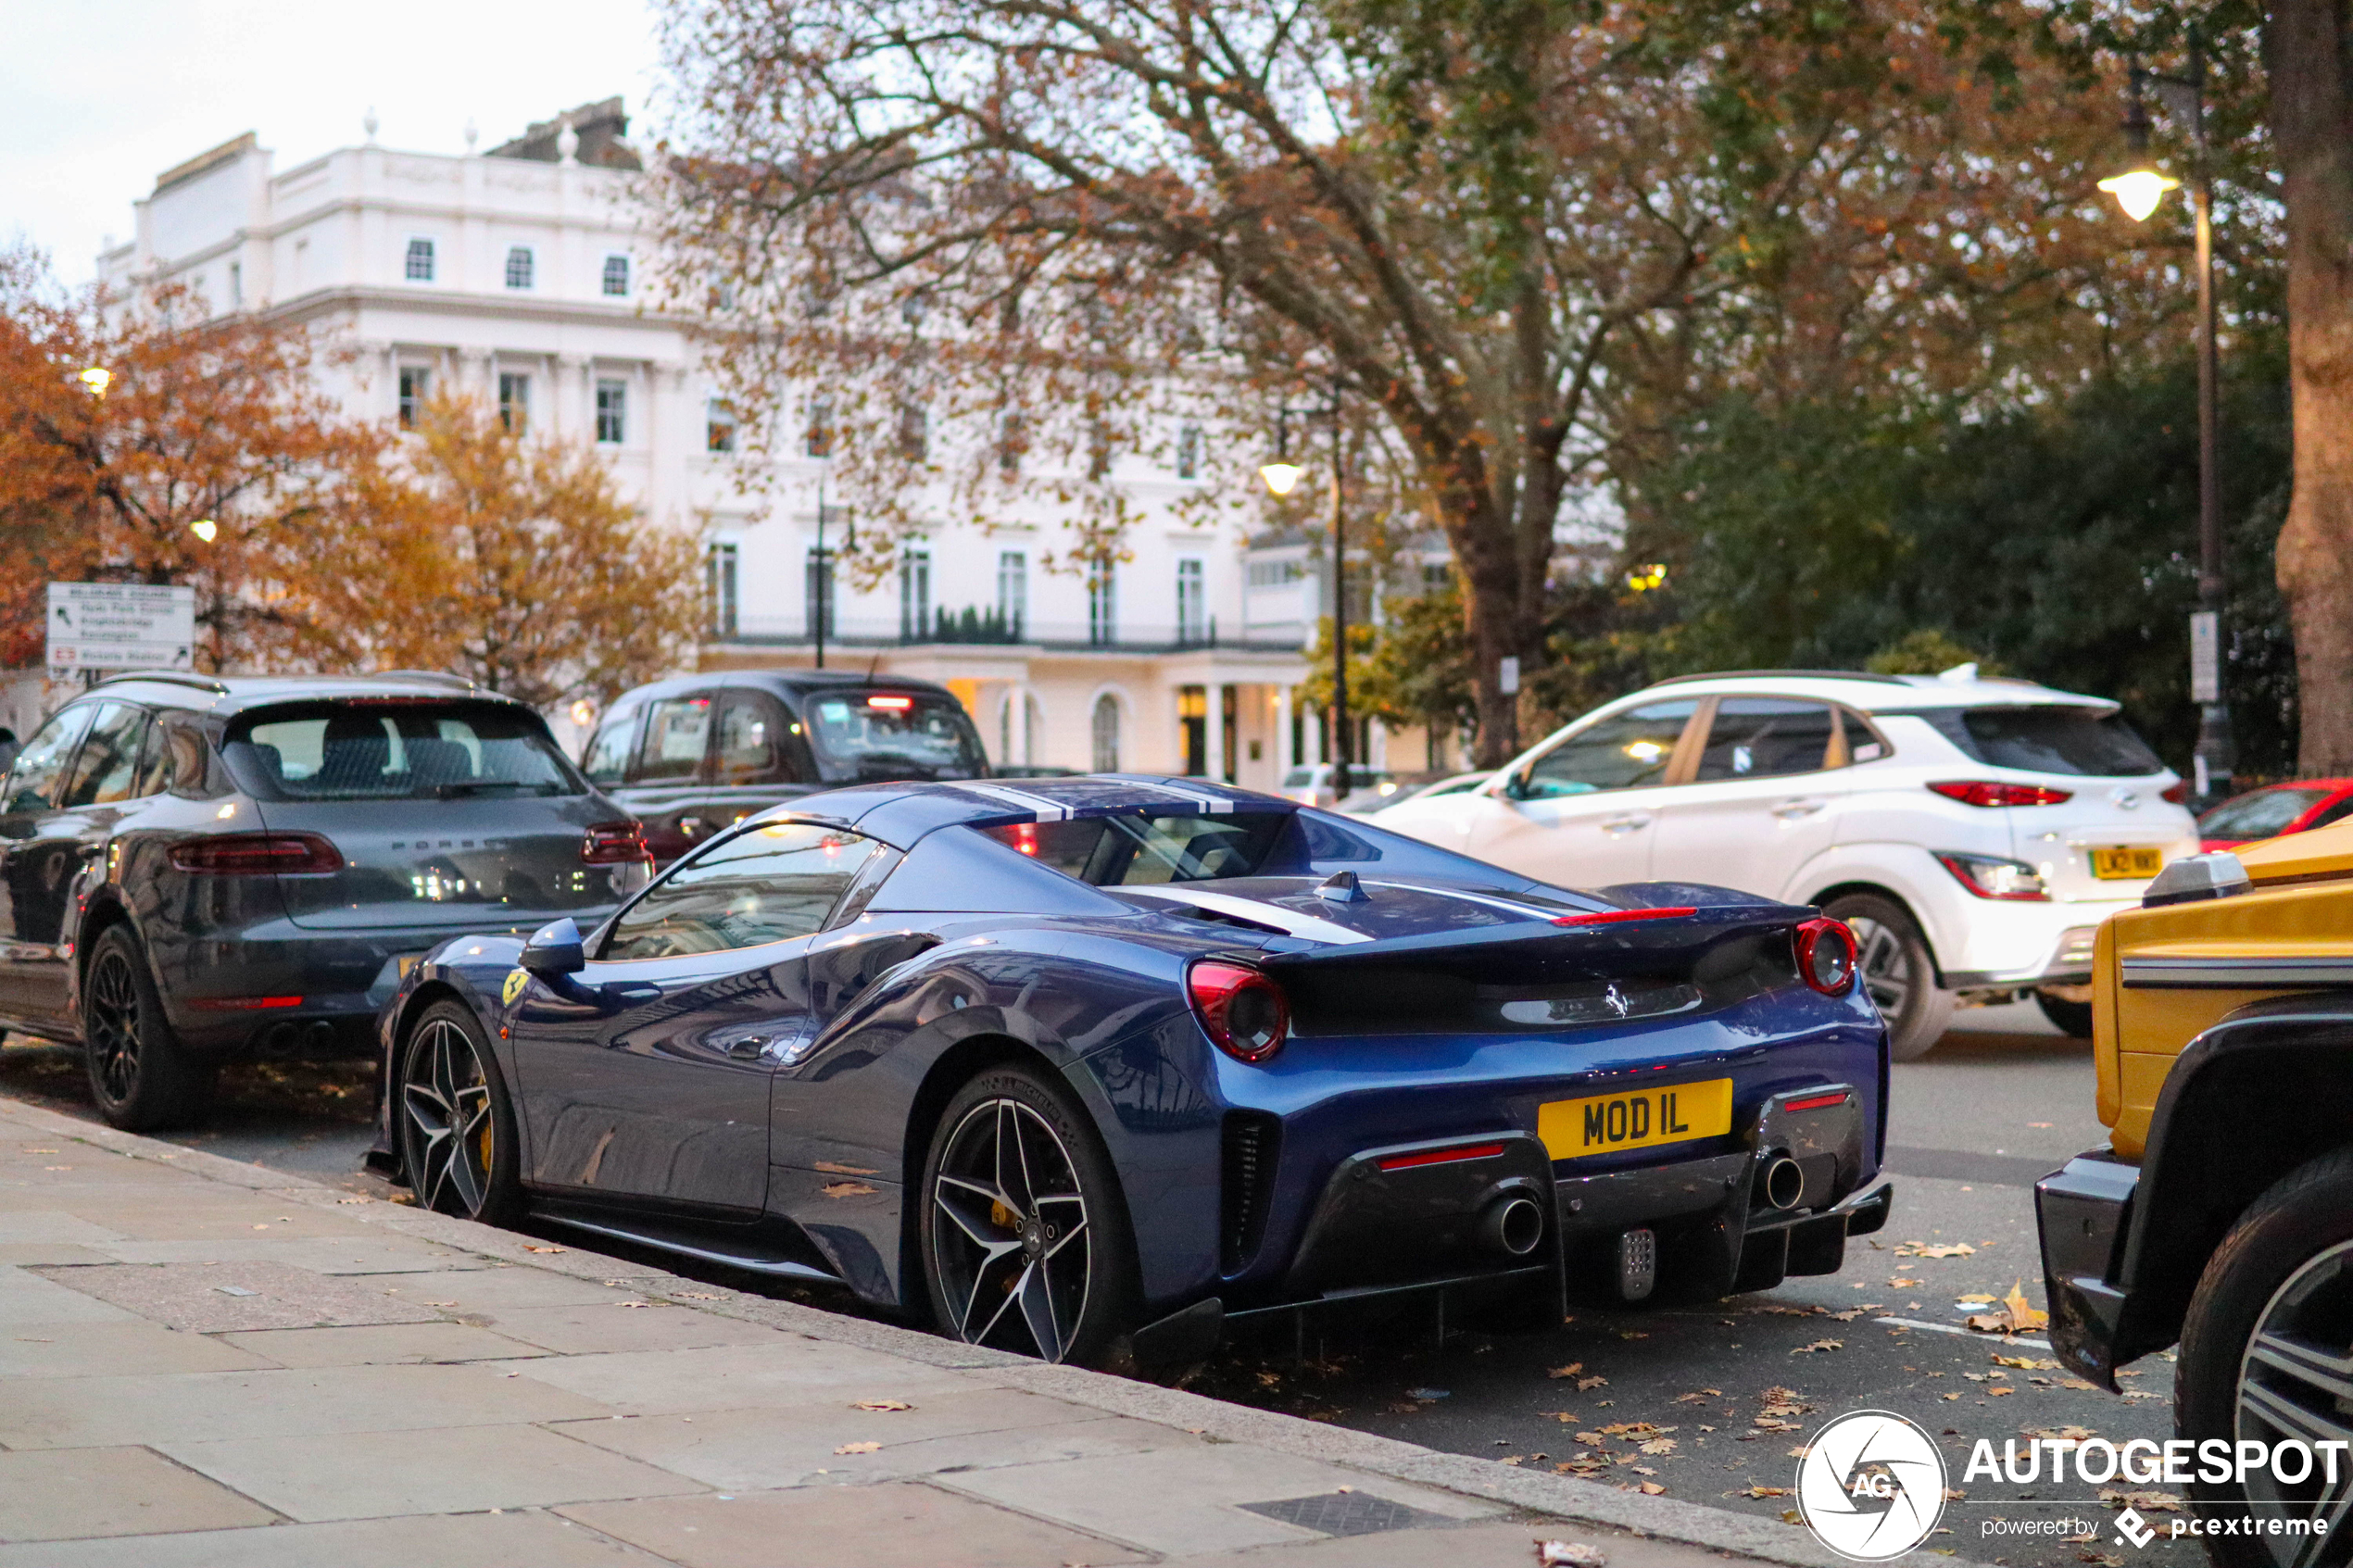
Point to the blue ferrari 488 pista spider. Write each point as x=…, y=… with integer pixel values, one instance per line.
x=1081, y=1067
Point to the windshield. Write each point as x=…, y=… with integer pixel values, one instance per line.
x=2058, y=740
x=399, y=751
x=1141, y=851
x=2264, y=814
x=878, y=737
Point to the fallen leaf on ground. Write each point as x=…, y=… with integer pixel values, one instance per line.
x=859, y=1449
x=2104, y=1559
x=2058, y=1434
x=529, y=1247
x=1763, y=1492
x=1569, y=1554
x=1653, y=1489
x=1899, y=1282
x=2018, y=1314
x=1946, y=1249
x=1572, y=1370
x=1998, y=1393
x=2025, y=1363
x=1585, y=1385
x=1660, y=1446
x=2147, y=1502
x=880, y=1405
x=1980, y=1300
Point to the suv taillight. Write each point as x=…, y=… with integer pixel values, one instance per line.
x=1244, y=1012
x=1986, y=794
x=257, y=854
x=1990, y=876
x=615, y=844
x=2177, y=793
x=1826, y=956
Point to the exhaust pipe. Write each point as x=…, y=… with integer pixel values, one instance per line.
x=1511, y=1226
x=1782, y=1182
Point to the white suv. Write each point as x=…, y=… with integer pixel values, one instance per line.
x=1973, y=832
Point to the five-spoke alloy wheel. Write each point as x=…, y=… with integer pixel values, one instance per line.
x=457, y=1133
x=1897, y=972
x=1024, y=1238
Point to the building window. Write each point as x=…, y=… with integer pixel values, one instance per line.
x=236, y=286
x=914, y=595
x=1437, y=576
x=1188, y=452
x=613, y=412
x=1192, y=724
x=514, y=401
x=616, y=277
x=416, y=266
x=1192, y=603
x=915, y=432
x=1013, y=440
x=1106, y=733
x=821, y=427
x=1102, y=604
x=719, y=583
x=414, y=379
x=819, y=607
x=1274, y=573
x=518, y=267
x=1098, y=449
x=1013, y=590
x=719, y=426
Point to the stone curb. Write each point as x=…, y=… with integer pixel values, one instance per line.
x=1537, y=1491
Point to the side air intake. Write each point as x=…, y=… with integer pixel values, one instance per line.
x=1249, y=1185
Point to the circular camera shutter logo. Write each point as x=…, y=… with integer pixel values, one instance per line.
x=1871, y=1485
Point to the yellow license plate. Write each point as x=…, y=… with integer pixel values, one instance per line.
x=1572, y=1128
x=2127, y=864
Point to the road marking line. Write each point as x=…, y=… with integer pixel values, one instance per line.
x=1970, y=1333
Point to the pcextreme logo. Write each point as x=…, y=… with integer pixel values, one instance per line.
x=1871, y=1485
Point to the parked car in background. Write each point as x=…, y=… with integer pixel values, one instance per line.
x=700, y=753
x=1368, y=788
x=1454, y=784
x=2219, y=1215
x=1974, y=833
x=195, y=868
x=1064, y=1065
x=2274, y=811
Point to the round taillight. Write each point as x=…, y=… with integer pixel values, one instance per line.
x=1826, y=956
x=1244, y=1012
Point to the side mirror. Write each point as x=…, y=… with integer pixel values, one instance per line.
x=555, y=949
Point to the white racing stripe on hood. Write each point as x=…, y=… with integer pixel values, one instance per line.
x=1525, y=911
x=1212, y=804
x=1289, y=921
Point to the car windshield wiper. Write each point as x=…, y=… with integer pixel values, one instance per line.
x=476, y=786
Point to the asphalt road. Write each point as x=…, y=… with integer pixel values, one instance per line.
x=1733, y=1390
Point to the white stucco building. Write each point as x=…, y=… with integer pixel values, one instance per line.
x=517, y=276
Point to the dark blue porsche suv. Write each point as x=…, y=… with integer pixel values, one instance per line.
x=195, y=868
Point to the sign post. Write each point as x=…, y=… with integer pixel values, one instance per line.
x=121, y=626
x=2206, y=658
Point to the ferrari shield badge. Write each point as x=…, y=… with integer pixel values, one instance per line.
x=516, y=980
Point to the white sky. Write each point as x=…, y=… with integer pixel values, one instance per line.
x=102, y=95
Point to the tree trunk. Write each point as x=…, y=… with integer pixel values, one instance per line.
x=2313, y=123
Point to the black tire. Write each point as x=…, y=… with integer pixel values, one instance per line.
x=2285, y=1274
x=1011, y=1161
x=141, y=1076
x=1898, y=972
x=457, y=1126
x=2067, y=1018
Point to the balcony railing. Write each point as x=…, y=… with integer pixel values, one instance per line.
x=975, y=626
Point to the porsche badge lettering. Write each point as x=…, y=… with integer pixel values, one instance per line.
x=1641, y=1119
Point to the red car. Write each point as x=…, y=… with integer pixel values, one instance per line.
x=2275, y=810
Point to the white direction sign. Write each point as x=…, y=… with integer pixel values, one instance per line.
x=121, y=626
x=2206, y=658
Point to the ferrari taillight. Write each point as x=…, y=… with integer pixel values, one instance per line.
x=257, y=853
x=614, y=843
x=1826, y=956
x=1244, y=1012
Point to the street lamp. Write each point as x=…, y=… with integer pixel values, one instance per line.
x=97, y=378
x=1281, y=477
x=822, y=585
x=2139, y=192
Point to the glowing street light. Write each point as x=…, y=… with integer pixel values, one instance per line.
x=205, y=528
x=2139, y=192
x=97, y=378
x=1280, y=476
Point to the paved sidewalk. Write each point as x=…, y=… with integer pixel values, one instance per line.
x=207, y=1363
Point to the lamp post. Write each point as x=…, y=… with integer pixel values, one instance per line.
x=2139, y=192
x=1281, y=476
x=821, y=579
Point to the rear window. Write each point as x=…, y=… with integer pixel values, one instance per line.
x=2267, y=813
x=1138, y=851
x=881, y=737
x=401, y=751
x=2051, y=740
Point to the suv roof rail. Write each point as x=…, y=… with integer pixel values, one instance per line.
x=442, y=676
x=1786, y=674
x=170, y=678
